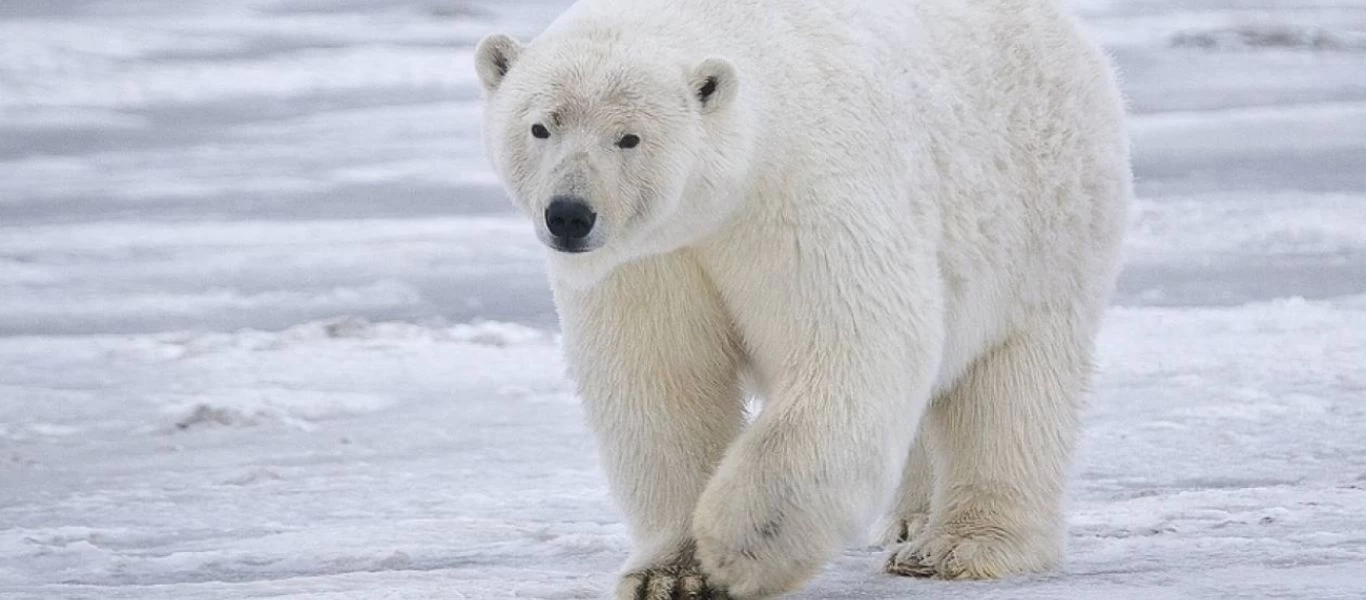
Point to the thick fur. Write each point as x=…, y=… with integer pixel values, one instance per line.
x=890, y=217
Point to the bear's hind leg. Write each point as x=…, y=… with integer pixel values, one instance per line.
x=1004, y=437
x=911, y=512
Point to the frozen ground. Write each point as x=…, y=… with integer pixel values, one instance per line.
x=241, y=243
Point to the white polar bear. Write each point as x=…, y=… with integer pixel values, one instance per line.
x=883, y=217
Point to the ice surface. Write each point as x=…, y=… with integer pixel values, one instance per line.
x=268, y=328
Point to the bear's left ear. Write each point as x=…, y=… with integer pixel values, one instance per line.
x=493, y=58
x=714, y=83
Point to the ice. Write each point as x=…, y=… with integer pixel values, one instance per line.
x=254, y=406
x=269, y=329
x=1271, y=36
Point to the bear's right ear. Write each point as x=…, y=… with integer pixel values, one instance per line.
x=493, y=57
x=714, y=83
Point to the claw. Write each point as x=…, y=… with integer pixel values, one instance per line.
x=668, y=583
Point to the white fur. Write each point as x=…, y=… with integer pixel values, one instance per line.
x=882, y=211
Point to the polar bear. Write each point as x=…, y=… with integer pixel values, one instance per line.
x=896, y=222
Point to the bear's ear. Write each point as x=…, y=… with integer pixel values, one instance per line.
x=714, y=83
x=493, y=57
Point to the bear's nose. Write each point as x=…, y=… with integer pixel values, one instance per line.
x=569, y=218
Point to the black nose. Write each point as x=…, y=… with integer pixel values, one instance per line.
x=569, y=218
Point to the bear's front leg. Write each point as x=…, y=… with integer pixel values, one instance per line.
x=849, y=346
x=656, y=364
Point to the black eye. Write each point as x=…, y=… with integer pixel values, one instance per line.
x=538, y=130
x=628, y=141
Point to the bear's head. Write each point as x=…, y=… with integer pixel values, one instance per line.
x=614, y=151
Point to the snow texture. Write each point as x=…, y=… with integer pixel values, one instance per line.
x=268, y=328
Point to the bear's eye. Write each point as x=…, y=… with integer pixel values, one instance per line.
x=539, y=131
x=628, y=141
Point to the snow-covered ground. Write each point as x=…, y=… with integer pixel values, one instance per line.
x=268, y=328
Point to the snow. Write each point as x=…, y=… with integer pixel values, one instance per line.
x=268, y=328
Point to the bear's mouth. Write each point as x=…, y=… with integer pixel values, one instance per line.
x=570, y=246
x=564, y=245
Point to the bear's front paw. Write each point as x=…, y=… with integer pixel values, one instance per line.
x=668, y=583
x=973, y=551
x=755, y=545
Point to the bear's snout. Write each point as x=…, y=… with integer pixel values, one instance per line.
x=569, y=220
